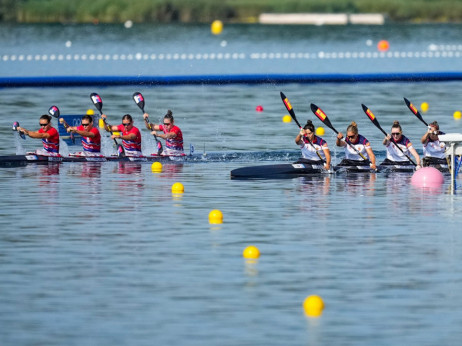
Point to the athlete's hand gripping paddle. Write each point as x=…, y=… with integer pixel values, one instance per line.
x=139, y=100
x=15, y=128
x=98, y=103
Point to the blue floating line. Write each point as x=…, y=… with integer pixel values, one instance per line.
x=50, y=81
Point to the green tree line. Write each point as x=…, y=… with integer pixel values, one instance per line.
x=205, y=11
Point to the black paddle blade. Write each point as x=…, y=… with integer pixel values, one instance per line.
x=372, y=117
x=54, y=112
x=289, y=108
x=96, y=99
x=414, y=110
x=120, y=151
x=322, y=116
x=159, y=148
x=139, y=100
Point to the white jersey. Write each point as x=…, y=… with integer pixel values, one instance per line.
x=308, y=152
x=361, y=146
x=434, y=149
x=394, y=154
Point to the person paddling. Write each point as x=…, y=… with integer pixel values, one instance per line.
x=362, y=145
x=130, y=135
x=394, y=155
x=91, y=138
x=433, y=149
x=47, y=133
x=317, y=150
x=171, y=133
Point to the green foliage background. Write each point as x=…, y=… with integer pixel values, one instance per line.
x=205, y=11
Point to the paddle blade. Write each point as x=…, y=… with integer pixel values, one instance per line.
x=120, y=151
x=289, y=108
x=54, y=112
x=322, y=116
x=97, y=101
x=139, y=100
x=369, y=113
x=160, y=149
x=414, y=110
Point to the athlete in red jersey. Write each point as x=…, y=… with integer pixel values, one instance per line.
x=171, y=133
x=91, y=138
x=48, y=134
x=130, y=135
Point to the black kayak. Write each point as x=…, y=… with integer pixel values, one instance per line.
x=280, y=171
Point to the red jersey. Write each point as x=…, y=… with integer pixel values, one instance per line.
x=173, y=143
x=130, y=145
x=91, y=144
x=51, y=145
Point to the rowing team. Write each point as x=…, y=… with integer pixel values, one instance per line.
x=91, y=138
x=358, y=150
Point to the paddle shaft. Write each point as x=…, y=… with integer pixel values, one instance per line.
x=374, y=120
x=323, y=117
x=291, y=111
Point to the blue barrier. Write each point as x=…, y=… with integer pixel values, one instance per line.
x=226, y=79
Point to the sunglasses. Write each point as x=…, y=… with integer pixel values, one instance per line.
x=167, y=124
x=86, y=124
x=351, y=137
x=395, y=133
x=43, y=124
x=126, y=124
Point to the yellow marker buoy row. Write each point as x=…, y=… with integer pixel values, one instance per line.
x=313, y=306
x=457, y=115
x=320, y=131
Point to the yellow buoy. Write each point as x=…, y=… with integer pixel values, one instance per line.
x=251, y=252
x=101, y=123
x=320, y=131
x=286, y=118
x=215, y=217
x=457, y=115
x=313, y=305
x=90, y=112
x=424, y=107
x=177, y=188
x=156, y=167
x=217, y=27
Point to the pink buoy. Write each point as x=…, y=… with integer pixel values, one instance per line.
x=259, y=108
x=427, y=177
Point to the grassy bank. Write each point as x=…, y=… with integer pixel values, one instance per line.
x=205, y=11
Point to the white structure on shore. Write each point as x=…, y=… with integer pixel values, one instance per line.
x=322, y=18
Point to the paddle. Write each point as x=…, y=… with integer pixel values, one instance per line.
x=291, y=111
x=54, y=112
x=98, y=103
x=372, y=117
x=15, y=128
x=414, y=110
x=139, y=100
x=323, y=117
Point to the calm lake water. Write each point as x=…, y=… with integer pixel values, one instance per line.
x=105, y=254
